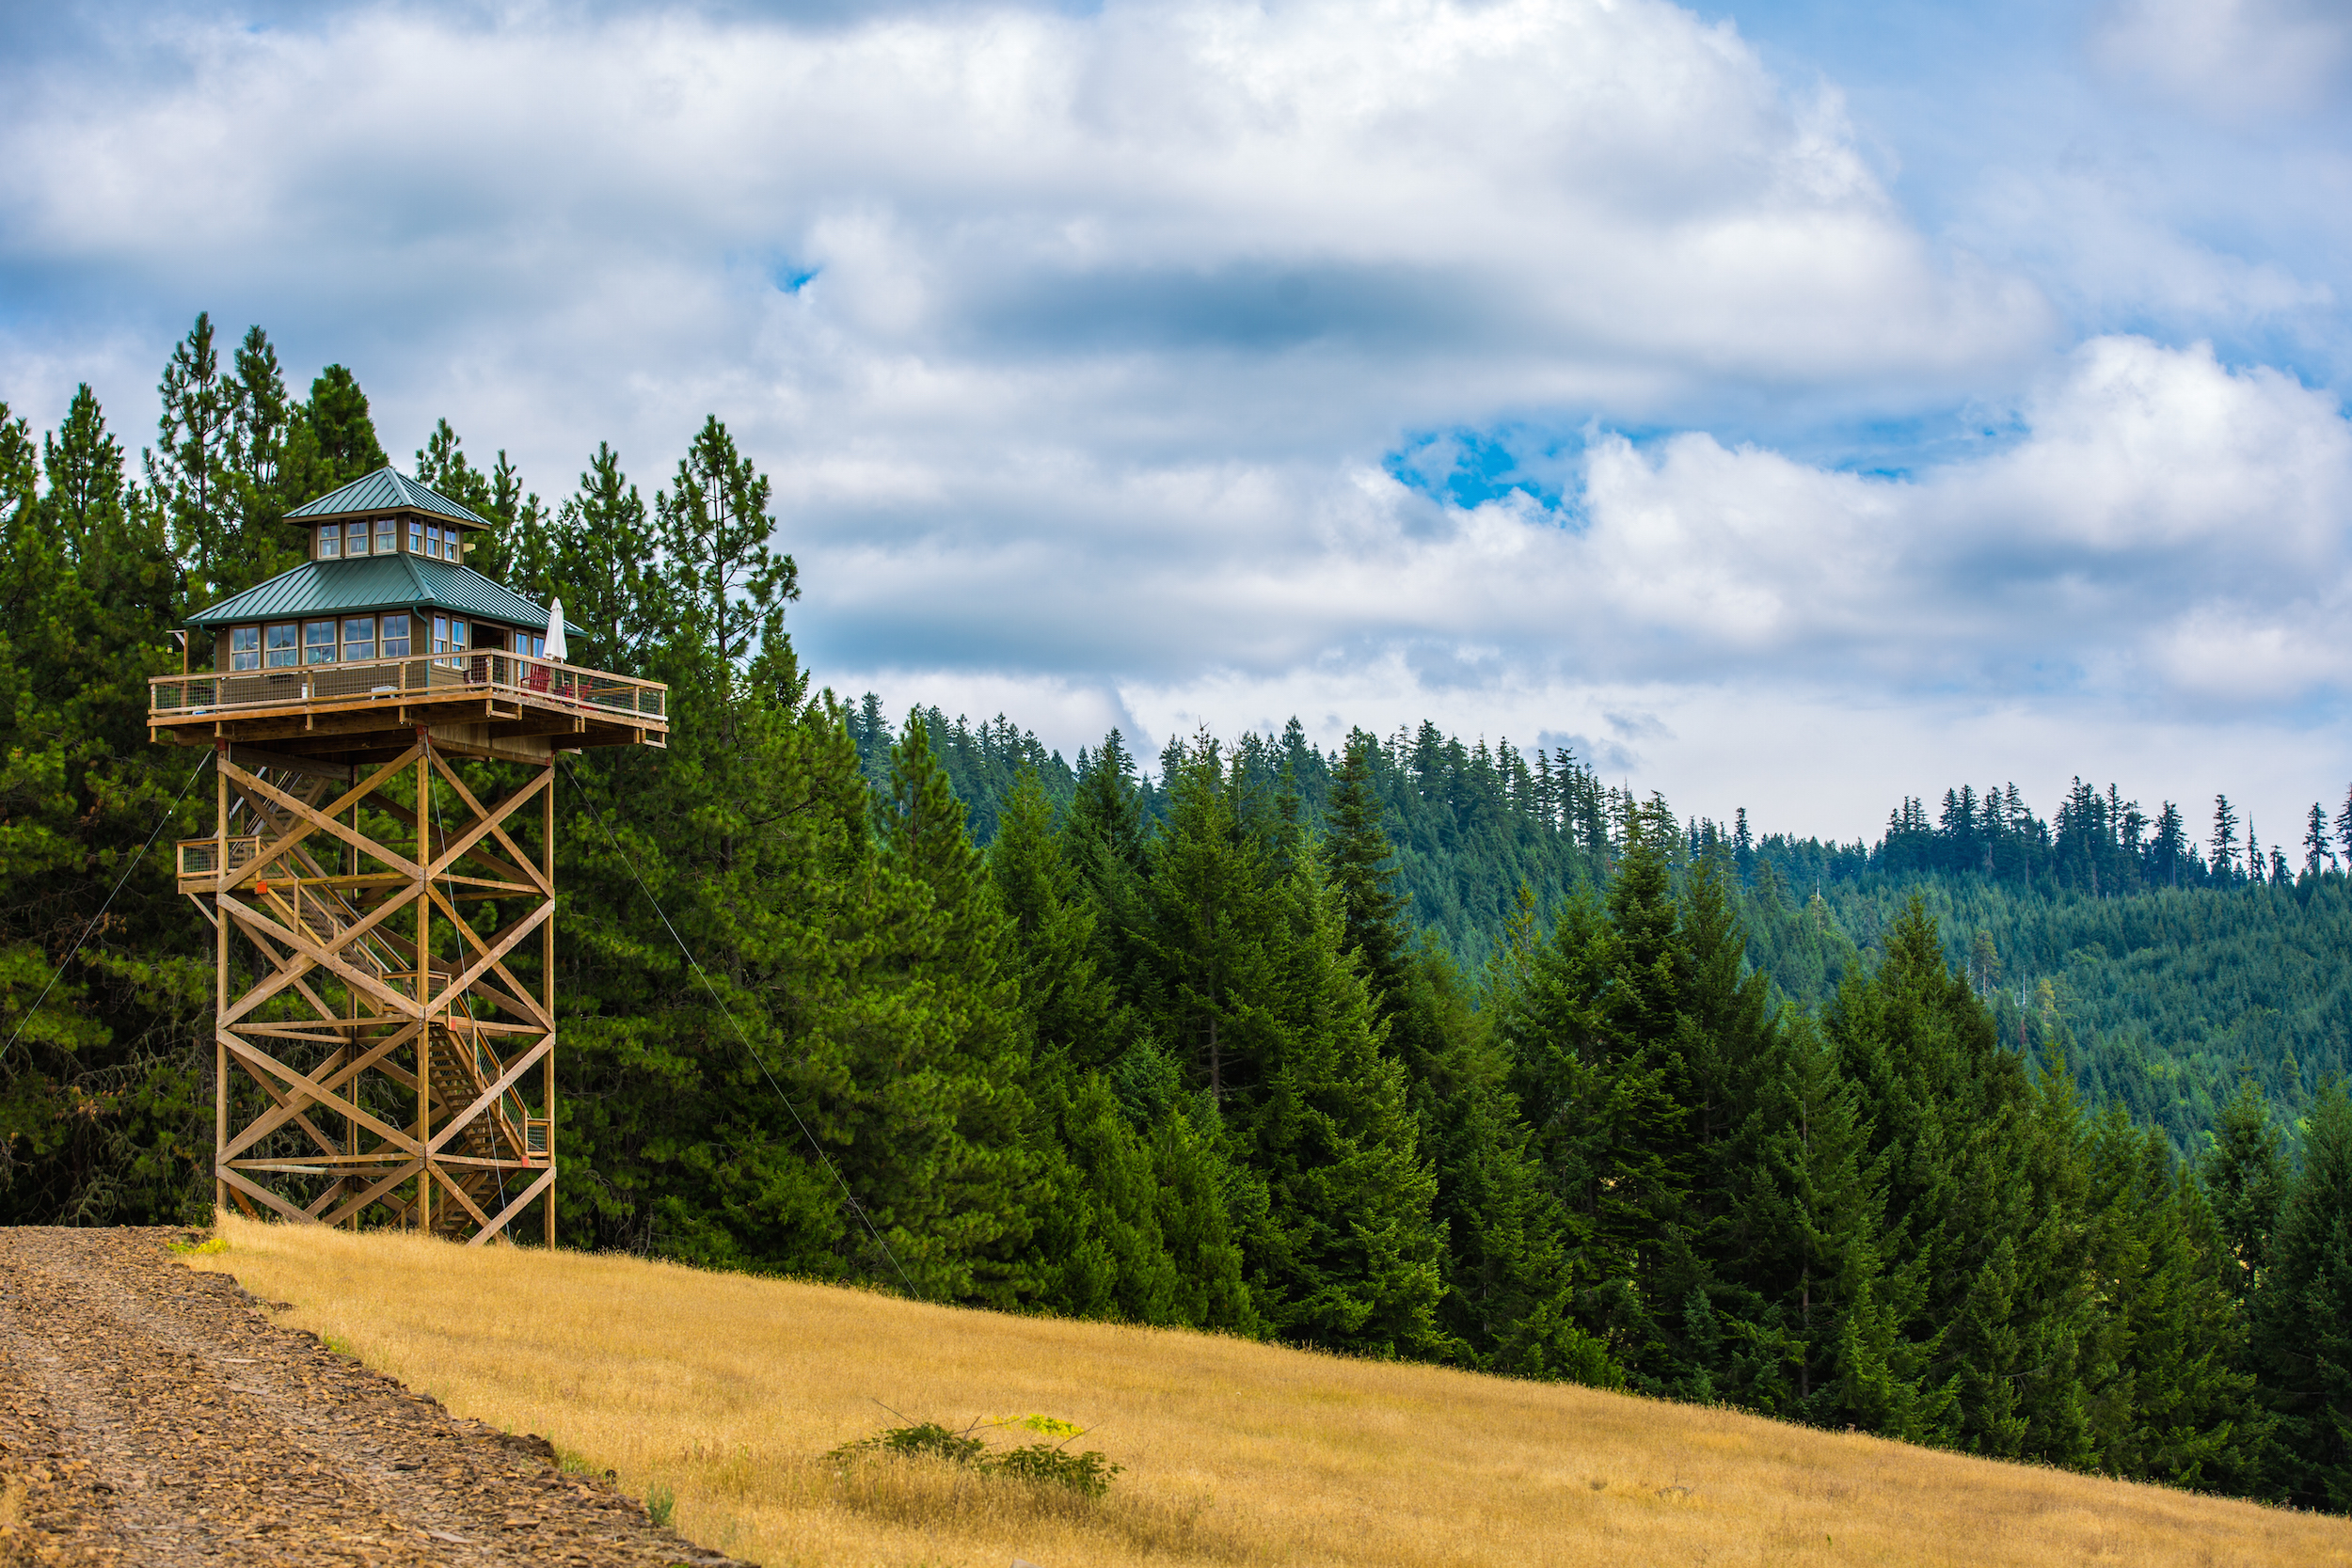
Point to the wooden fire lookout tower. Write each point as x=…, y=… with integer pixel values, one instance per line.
x=385, y=1037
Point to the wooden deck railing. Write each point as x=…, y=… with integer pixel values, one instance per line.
x=201, y=857
x=515, y=677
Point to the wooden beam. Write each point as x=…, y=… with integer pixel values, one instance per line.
x=514, y=1206
x=253, y=756
x=269, y=1121
x=253, y=919
x=359, y=1201
x=489, y=1097
x=250, y=1188
x=506, y=808
x=318, y=821
x=254, y=1056
x=459, y=1193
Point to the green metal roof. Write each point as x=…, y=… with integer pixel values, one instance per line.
x=385, y=490
x=377, y=582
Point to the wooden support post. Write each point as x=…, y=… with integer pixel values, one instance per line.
x=220, y=983
x=424, y=984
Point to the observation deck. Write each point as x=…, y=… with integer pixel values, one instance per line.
x=514, y=708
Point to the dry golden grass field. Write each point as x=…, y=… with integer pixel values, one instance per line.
x=729, y=1391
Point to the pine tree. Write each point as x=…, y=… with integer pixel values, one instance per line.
x=84, y=466
x=333, y=442
x=1075, y=1008
x=1592, y=1029
x=1361, y=861
x=261, y=428
x=2303, y=1332
x=190, y=470
x=1349, y=1257
x=958, y=980
x=1207, y=927
x=2245, y=1175
x=101, y=1105
x=2175, y=1408
x=1809, y=1315
x=595, y=557
x=2224, y=840
x=713, y=524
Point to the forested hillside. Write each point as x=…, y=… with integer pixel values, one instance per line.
x=1656, y=1104
x=2169, y=977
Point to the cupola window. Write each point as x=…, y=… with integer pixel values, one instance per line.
x=387, y=535
x=330, y=541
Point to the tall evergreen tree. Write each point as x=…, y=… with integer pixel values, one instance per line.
x=714, y=527
x=1349, y=1256
x=1208, y=928
x=334, y=441
x=2245, y=1175
x=2302, y=1333
x=190, y=468
x=1360, y=858
x=595, y=557
x=84, y=466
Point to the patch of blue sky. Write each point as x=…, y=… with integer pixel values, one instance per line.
x=791, y=278
x=1469, y=467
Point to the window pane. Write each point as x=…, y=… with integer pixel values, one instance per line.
x=386, y=536
x=359, y=637
x=318, y=643
x=330, y=541
x=416, y=536
x=395, y=637
x=458, y=636
x=283, y=649
x=433, y=540
x=244, y=648
x=354, y=539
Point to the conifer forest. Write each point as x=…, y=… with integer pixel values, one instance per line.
x=2026, y=1136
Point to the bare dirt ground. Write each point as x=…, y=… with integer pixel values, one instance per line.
x=152, y=1413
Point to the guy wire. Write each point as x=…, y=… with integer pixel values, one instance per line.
x=92, y=923
x=728, y=1013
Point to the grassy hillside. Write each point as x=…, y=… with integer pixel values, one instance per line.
x=728, y=1390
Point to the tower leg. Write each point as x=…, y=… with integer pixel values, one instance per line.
x=220, y=990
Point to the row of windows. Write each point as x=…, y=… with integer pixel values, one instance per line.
x=286, y=644
x=350, y=541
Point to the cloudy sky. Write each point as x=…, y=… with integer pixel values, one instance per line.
x=1792, y=406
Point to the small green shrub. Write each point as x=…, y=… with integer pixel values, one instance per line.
x=337, y=1345
x=1087, y=1474
x=198, y=1249
x=926, y=1439
x=660, y=1502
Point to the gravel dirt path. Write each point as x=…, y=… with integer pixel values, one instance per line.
x=152, y=1413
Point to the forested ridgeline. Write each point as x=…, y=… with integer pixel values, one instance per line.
x=1174, y=1055
x=2175, y=977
